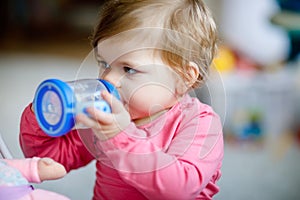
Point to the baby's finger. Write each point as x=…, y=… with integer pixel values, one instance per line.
x=99, y=116
x=87, y=121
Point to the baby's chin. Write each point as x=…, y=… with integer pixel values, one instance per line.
x=150, y=117
x=139, y=119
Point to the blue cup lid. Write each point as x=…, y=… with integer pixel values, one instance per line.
x=53, y=105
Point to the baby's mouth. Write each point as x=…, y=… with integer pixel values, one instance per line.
x=126, y=105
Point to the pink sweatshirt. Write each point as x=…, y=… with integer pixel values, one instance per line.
x=177, y=156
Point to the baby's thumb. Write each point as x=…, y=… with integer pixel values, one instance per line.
x=47, y=160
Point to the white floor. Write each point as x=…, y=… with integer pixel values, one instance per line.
x=248, y=173
x=260, y=174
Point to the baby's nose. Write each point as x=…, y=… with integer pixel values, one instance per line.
x=113, y=78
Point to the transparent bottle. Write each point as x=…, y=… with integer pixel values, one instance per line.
x=56, y=102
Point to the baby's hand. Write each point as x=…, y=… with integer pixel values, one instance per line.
x=106, y=125
x=50, y=170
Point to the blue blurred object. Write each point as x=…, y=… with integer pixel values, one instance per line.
x=292, y=5
x=289, y=19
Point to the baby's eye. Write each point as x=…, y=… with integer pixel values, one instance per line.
x=103, y=65
x=129, y=70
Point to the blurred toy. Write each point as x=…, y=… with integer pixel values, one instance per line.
x=246, y=27
x=225, y=62
x=15, y=175
x=247, y=125
x=288, y=18
x=293, y=5
x=254, y=127
x=230, y=60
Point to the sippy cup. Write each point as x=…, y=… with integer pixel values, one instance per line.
x=56, y=102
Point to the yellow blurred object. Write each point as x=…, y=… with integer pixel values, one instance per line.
x=225, y=62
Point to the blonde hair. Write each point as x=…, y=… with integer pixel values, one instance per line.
x=189, y=30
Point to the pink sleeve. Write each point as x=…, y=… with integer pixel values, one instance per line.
x=28, y=168
x=67, y=149
x=181, y=170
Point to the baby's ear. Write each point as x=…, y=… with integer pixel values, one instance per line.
x=192, y=74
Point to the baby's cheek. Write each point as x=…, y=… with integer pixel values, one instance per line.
x=137, y=109
x=150, y=99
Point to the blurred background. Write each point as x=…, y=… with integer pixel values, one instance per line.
x=255, y=87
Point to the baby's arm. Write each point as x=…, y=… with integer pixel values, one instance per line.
x=67, y=150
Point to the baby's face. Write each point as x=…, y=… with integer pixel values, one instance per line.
x=146, y=84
